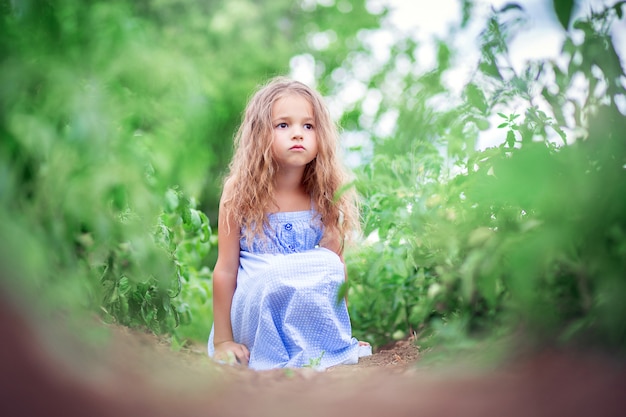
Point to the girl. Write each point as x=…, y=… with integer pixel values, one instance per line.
x=281, y=230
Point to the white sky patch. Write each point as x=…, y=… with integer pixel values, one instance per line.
x=386, y=124
x=322, y=40
x=303, y=69
x=379, y=43
x=372, y=102
x=357, y=146
x=425, y=18
x=524, y=47
x=354, y=91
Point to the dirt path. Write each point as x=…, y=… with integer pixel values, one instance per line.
x=119, y=372
x=396, y=356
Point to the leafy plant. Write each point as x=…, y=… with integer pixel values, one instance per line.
x=314, y=363
x=516, y=236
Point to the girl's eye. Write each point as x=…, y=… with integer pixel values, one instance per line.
x=281, y=125
x=308, y=126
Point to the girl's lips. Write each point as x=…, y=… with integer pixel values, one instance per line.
x=296, y=147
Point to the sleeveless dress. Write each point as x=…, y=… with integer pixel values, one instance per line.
x=285, y=308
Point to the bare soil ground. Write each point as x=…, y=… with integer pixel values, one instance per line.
x=396, y=357
x=119, y=372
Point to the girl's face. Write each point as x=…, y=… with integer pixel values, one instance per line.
x=294, y=141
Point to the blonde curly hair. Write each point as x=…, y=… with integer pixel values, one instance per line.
x=250, y=180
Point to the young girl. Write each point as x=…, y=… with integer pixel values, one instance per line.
x=282, y=224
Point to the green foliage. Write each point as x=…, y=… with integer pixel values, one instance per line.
x=525, y=235
x=563, y=11
x=116, y=124
x=84, y=174
x=186, y=233
x=183, y=236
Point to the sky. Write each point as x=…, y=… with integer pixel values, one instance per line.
x=427, y=18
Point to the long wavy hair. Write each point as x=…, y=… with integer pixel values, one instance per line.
x=250, y=180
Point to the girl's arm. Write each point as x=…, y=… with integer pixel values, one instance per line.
x=224, y=284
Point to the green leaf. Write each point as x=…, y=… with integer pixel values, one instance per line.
x=563, y=10
x=618, y=7
x=195, y=220
x=482, y=124
x=511, y=6
x=171, y=200
x=205, y=229
x=186, y=216
x=510, y=139
x=476, y=97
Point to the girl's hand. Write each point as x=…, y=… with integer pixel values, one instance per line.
x=231, y=352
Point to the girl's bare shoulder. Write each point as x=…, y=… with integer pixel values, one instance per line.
x=228, y=190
